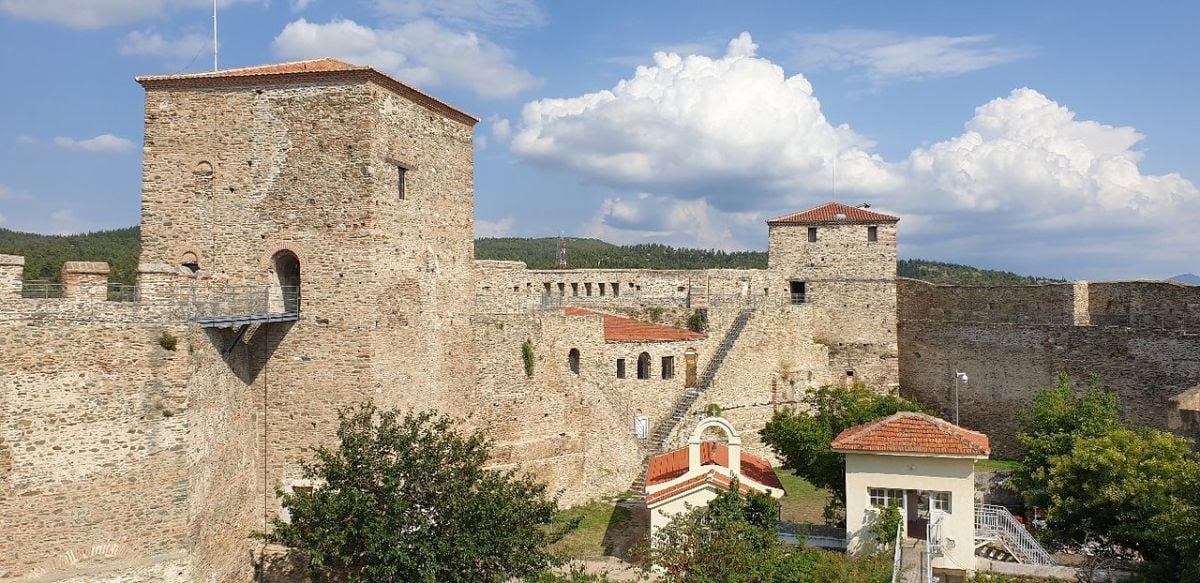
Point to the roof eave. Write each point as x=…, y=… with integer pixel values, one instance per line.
x=357, y=75
x=913, y=454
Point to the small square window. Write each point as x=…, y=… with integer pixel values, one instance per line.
x=872, y=234
x=812, y=234
x=939, y=501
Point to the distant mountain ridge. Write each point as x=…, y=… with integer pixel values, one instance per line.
x=45, y=254
x=1187, y=278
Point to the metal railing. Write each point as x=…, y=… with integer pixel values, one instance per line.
x=41, y=289
x=899, y=542
x=796, y=298
x=933, y=543
x=207, y=302
x=996, y=524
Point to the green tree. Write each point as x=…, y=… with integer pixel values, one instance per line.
x=885, y=526
x=405, y=497
x=1050, y=424
x=732, y=540
x=801, y=438
x=1129, y=488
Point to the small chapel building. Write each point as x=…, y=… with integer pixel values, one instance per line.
x=693, y=476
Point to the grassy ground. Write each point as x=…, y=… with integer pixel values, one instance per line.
x=998, y=465
x=804, y=503
x=602, y=526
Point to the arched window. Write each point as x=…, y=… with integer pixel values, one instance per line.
x=643, y=371
x=573, y=360
x=286, y=287
x=190, y=262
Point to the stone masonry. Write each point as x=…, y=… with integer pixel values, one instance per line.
x=137, y=445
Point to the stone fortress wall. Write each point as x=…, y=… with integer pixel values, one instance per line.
x=1141, y=337
x=129, y=456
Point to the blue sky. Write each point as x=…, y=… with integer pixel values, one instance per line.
x=1055, y=138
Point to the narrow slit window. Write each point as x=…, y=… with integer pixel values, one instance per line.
x=401, y=173
x=620, y=368
x=812, y=234
x=872, y=234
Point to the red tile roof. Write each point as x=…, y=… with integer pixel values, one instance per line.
x=912, y=433
x=718, y=480
x=671, y=465
x=314, y=70
x=833, y=213
x=619, y=329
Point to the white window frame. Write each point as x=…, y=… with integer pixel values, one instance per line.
x=941, y=502
x=886, y=495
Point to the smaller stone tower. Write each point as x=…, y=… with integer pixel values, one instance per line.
x=840, y=261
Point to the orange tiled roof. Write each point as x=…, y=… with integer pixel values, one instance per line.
x=619, y=329
x=671, y=465
x=912, y=433
x=833, y=212
x=720, y=481
x=304, y=72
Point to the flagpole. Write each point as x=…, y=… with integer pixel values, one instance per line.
x=215, y=35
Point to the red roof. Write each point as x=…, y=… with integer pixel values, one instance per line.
x=912, y=433
x=671, y=465
x=304, y=72
x=718, y=480
x=619, y=329
x=835, y=213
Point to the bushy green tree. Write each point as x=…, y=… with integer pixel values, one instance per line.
x=734, y=540
x=1131, y=488
x=405, y=497
x=1050, y=424
x=885, y=526
x=801, y=438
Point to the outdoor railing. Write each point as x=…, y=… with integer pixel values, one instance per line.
x=38, y=289
x=996, y=523
x=899, y=544
x=198, y=301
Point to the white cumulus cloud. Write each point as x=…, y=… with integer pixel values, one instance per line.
x=101, y=144
x=496, y=228
x=422, y=52
x=715, y=144
x=99, y=13
x=888, y=56
x=151, y=43
x=733, y=129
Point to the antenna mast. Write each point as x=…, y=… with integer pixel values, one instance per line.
x=215, y=35
x=562, y=252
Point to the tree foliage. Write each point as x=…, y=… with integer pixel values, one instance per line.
x=1050, y=424
x=1109, y=484
x=1132, y=488
x=801, y=438
x=885, y=526
x=405, y=497
x=45, y=254
x=733, y=540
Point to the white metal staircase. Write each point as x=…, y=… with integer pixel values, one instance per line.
x=995, y=526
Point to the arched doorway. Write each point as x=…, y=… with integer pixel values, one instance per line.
x=285, y=292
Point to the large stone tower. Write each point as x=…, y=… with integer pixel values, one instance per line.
x=841, y=260
x=339, y=180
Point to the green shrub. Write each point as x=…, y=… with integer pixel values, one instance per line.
x=168, y=341
x=697, y=322
x=528, y=357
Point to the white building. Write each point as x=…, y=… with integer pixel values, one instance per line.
x=694, y=475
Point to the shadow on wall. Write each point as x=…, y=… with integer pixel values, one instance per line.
x=253, y=351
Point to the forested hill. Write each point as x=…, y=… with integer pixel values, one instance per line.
x=45, y=254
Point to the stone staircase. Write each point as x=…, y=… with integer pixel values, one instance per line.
x=658, y=440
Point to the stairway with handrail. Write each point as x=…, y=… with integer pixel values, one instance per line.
x=996, y=526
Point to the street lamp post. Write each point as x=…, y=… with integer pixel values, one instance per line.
x=958, y=376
